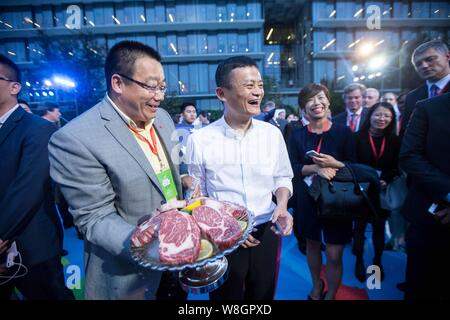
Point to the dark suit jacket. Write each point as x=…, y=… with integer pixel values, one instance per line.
x=27, y=207
x=417, y=94
x=425, y=156
x=341, y=118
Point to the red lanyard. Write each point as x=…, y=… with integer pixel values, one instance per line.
x=374, y=150
x=153, y=146
x=352, y=122
x=326, y=127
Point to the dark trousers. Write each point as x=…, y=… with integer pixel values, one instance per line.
x=252, y=271
x=427, y=267
x=44, y=281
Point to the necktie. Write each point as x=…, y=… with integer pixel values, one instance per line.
x=353, y=122
x=434, y=90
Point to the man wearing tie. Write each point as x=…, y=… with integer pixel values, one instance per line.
x=354, y=115
x=431, y=61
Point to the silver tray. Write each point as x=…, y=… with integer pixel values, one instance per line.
x=148, y=256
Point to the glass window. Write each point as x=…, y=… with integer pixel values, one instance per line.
x=193, y=77
x=323, y=10
x=212, y=43
x=151, y=41
x=192, y=44
x=254, y=41
x=254, y=11
x=324, y=41
x=172, y=77
x=232, y=42
x=232, y=11
x=201, y=12
x=324, y=70
x=272, y=62
x=133, y=12
x=150, y=12
x=349, y=10
x=171, y=14
x=182, y=44
x=221, y=11
x=420, y=9
x=439, y=9
x=162, y=45
x=222, y=43
x=210, y=10
x=401, y=9
x=15, y=50
x=181, y=13
x=172, y=46
x=203, y=80
x=202, y=43
x=241, y=10
x=242, y=42
x=160, y=11
x=183, y=81
x=44, y=16
x=343, y=40
x=344, y=73
x=212, y=77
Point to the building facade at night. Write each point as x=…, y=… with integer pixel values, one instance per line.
x=294, y=42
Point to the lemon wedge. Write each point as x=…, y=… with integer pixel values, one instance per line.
x=206, y=250
x=243, y=225
x=192, y=206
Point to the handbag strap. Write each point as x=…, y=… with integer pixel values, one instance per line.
x=358, y=186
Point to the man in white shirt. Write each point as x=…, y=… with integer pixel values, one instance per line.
x=245, y=161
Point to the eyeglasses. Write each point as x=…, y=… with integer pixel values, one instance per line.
x=4, y=79
x=151, y=89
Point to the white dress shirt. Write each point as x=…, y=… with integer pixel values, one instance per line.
x=441, y=84
x=358, y=118
x=245, y=170
x=5, y=117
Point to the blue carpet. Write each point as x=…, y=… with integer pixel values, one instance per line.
x=294, y=281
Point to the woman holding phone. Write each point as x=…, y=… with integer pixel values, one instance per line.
x=329, y=145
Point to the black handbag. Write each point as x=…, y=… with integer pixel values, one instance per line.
x=344, y=198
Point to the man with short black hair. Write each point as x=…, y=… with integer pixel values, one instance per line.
x=50, y=112
x=28, y=219
x=233, y=162
x=114, y=166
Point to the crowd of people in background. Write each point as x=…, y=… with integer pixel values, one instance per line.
x=124, y=143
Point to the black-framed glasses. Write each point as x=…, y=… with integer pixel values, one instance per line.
x=9, y=80
x=151, y=89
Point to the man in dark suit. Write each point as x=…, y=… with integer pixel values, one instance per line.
x=431, y=61
x=425, y=156
x=27, y=212
x=354, y=114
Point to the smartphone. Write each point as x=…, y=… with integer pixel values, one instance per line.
x=311, y=153
x=435, y=207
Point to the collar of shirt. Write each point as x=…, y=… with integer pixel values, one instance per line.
x=5, y=117
x=127, y=119
x=230, y=132
x=349, y=113
x=441, y=83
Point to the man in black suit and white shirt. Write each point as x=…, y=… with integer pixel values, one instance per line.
x=425, y=156
x=431, y=61
x=28, y=216
x=354, y=114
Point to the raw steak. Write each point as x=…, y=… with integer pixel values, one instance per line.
x=179, y=238
x=145, y=232
x=220, y=228
x=234, y=210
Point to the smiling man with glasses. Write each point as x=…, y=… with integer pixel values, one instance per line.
x=114, y=165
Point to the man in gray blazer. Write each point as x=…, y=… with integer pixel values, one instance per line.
x=110, y=163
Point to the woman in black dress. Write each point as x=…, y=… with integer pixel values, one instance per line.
x=334, y=144
x=377, y=146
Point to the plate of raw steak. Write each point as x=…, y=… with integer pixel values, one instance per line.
x=171, y=240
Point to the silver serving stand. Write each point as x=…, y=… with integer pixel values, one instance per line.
x=201, y=276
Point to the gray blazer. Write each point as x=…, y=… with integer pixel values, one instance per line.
x=109, y=185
